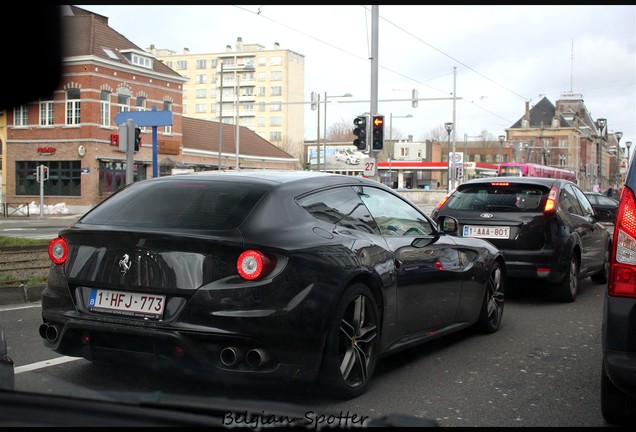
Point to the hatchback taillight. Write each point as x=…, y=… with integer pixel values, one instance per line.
x=253, y=265
x=58, y=250
x=550, y=203
x=442, y=201
x=622, y=281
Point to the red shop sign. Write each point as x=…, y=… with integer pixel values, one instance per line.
x=46, y=151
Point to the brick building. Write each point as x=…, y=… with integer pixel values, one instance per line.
x=71, y=131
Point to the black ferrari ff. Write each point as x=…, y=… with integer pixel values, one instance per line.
x=284, y=275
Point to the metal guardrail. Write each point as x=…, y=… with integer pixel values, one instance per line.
x=14, y=210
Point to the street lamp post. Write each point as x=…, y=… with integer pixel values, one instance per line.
x=601, y=123
x=221, y=118
x=546, y=156
x=324, y=140
x=391, y=143
x=618, y=136
x=246, y=68
x=449, y=129
x=502, y=139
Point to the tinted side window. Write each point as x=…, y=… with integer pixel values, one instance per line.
x=569, y=202
x=582, y=199
x=340, y=206
x=393, y=215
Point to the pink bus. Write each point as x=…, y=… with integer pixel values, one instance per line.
x=534, y=170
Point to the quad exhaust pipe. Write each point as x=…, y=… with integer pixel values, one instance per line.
x=231, y=356
x=254, y=358
x=49, y=332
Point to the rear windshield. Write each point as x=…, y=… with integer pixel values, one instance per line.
x=178, y=204
x=508, y=198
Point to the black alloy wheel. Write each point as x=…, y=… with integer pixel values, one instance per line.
x=352, y=344
x=493, y=304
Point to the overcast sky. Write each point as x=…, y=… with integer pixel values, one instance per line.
x=503, y=55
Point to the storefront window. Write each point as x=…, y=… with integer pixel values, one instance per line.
x=64, y=178
x=112, y=176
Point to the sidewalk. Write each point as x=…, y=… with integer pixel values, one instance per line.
x=10, y=295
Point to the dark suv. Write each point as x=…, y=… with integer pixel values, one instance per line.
x=546, y=228
x=618, y=372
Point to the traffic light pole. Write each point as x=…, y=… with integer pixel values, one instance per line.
x=130, y=151
x=41, y=175
x=375, y=24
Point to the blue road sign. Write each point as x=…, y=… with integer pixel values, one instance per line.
x=146, y=118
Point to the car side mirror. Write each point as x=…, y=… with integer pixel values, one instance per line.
x=447, y=224
x=604, y=215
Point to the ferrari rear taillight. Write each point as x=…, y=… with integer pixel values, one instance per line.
x=622, y=280
x=550, y=203
x=253, y=264
x=58, y=250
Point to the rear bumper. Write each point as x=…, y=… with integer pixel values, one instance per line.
x=214, y=355
x=527, y=265
x=619, y=342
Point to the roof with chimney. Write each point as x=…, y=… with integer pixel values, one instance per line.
x=570, y=111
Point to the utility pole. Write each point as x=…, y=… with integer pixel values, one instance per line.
x=453, y=169
x=375, y=24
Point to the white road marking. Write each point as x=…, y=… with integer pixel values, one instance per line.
x=45, y=363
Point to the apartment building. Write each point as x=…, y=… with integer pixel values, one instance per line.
x=260, y=88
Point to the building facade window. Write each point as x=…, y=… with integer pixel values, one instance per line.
x=20, y=116
x=276, y=91
x=276, y=76
x=200, y=108
x=201, y=94
x=46, y=113
x=261, y=121
x=201, y=63
x=262, y=106
x=167, y=106
x=182, y=64
x=275, y=136
x=72, y=107
x=141, y=106
x=199, y=79
x=275, y=121
x=275, y=61
x=142, y=61
x=64, y=178
x=275, y=106
x=123, y=102
x=104, y=108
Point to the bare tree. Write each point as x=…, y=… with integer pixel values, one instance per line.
x=291, y=148
x=341, y=131
x=438, y=134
